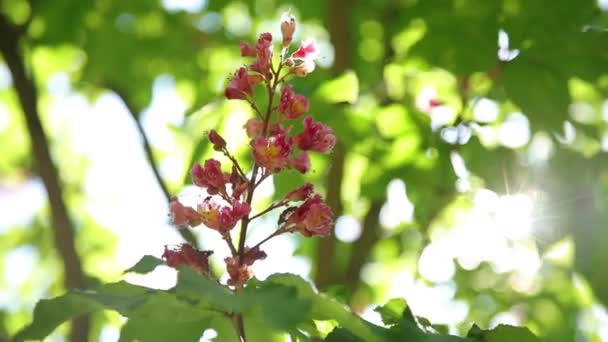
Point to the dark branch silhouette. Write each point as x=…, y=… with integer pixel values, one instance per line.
x=185, y=233
x=63, y=228
x=338, y=24
x=361, y=249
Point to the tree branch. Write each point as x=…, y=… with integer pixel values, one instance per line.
x=63, y=228
x=326, y=250
x=185, y=233
x=337, y=20
x=361, y=249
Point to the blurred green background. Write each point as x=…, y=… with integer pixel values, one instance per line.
x=471, y=175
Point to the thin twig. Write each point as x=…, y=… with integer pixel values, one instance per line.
x=228, y=240
x=265, y=175
x=235, y=163
x=254, y=173
x=252, y=185
x=185, y=233
x=255, y=108
x=272, y=207
x=275, y=233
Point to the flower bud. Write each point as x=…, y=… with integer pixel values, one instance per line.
x=219, y=144
x=253, y=127
x=210, y=176
x=301, y=162
x=247, y=50
x=301, y=193
x=288, y=27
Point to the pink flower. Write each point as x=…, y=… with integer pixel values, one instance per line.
x=239, y=184
x=185, y=254
x=313, y=217
x=304, y=68
x=300, y=194
x=219, y=218
x=272, y=152
x=288, y=27
x=308, y=50
x=210, y=177
x=434, y=103
x=239, y=86
x=253, y=127
x=316, y=137
x=301, y=162
x=239, y=210
x=183, y=216
x=263, y=60
x=275, y=128
x=292, y=105
x=219, y=144
x=247, y=50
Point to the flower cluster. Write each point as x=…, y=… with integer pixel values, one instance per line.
x=275, y=148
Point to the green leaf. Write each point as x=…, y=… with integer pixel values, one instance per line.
x=50, y=313
x=502, y=333
x=392, y=311
x=325, y=308
x=209, y=292
x=540, y=90
x=344, y=88
x=394, y=121
x=166, y=317
x=460, y=36
x=142, y=329
x=405, y=326
x=283, y=308
x=145, y=265
x=341, y=335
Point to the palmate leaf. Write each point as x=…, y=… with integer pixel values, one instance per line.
x=142, y=329
x=50, y=313
x=540, y=90
x=195, y=287
x=166, y=315
x=282, y=303
x=323, y=307
x=502, y=333
x=392, y=312
x=404, y=326
x=282, y=308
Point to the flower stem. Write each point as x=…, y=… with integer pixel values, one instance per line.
x=272, y=207
x=235, y=163
x=239, y=326
x=228, y=240
x=271, y=86
x=276, y=233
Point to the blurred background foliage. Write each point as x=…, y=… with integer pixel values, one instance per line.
x=471, y=176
